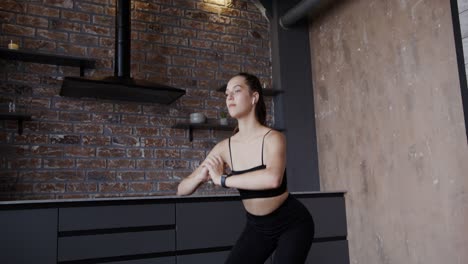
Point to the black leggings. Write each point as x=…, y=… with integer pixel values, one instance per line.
x=288, y=231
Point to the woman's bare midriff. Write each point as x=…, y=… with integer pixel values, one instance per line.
x=264, y=206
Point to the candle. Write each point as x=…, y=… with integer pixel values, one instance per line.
x=12, y=45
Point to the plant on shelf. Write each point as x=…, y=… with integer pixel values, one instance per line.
x=223, y=118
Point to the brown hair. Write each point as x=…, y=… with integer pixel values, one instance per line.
x=254, y=85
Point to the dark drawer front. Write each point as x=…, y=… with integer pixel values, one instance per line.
x=105, y=217
x=330, y=244
x=329, y=216
x=114, y=245
x=104, y=233
x=28, y=236
x=209, y=224
x=335, y=252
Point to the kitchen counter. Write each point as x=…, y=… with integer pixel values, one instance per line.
x=151, y=198
x=155, y=229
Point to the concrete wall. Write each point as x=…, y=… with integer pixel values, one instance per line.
x=390, y=128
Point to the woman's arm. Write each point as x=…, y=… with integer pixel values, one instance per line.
x=188, y=185
x=191, y=183
x=274, y=157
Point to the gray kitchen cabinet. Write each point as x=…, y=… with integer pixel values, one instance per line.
x=28, y=236
x=169, y=230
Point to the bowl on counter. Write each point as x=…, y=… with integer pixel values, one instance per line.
x=197, y=118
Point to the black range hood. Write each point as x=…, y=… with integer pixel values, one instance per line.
x=121, y=86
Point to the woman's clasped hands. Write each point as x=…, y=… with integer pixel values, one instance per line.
x=214, y=165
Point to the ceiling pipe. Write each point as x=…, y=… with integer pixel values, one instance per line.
x=122, y=39
x=302, y=9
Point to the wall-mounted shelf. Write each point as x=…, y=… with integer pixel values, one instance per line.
x=205, y=126
x=266, y=91
x=47, y=58
x=16, y=116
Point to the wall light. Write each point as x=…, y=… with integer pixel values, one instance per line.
x=217, y=2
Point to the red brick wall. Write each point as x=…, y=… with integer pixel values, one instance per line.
x=88, y=148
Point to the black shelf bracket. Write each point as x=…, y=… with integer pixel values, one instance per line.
x=20, y=127
x=15, y=116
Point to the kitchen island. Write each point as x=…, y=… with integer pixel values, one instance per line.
x=161, y=229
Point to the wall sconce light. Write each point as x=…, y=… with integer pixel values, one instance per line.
x=219, y=2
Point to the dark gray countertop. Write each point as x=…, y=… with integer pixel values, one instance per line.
x=166, y=198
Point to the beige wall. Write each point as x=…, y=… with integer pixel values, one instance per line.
x=390, y=129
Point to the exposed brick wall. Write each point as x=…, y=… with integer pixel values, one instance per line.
x=77, y=148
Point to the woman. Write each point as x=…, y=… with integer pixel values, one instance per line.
x=256, y=156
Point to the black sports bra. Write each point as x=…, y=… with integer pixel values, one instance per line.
x=249, y=194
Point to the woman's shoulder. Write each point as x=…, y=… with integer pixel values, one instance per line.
x=220, y=146
x=273, y=133
x=274, y=137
